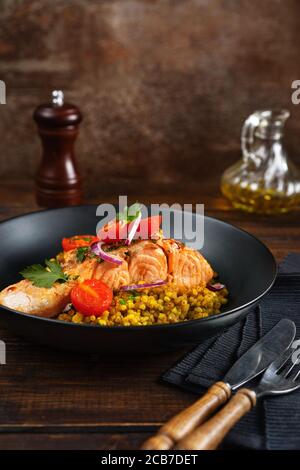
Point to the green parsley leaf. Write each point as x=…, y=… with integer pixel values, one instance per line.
x=129, y=214
x=79, y=237
x=42, y=276
x=134, y=294
x=122, y=301
x=81, y=253
x=93, y=255
x=133, y=211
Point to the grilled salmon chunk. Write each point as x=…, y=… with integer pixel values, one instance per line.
x=113, y=275
x=72, y=267
x=147, y=262
x=187, y=267
x=190, y=268
x=25, y=297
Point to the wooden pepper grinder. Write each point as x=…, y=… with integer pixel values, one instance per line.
x=57, y=180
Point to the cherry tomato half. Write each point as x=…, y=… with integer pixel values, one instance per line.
x=91, y=297
x=77, y=241
x=116, y=231
x=148, y=227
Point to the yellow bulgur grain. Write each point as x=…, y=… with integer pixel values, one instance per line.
x=166, y=304
x=77, y=318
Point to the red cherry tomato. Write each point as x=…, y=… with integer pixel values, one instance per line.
x=148, y=227
x=113, y=232
x=116, y=231
x=77, y=241
x=91, y=297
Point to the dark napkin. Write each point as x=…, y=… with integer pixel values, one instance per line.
x=275, y=422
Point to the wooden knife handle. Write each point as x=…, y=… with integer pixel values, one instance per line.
x=187, y=420
x=210, y=434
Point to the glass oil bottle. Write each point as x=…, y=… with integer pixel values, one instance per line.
x=264, y=180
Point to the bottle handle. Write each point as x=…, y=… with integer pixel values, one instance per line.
x=247, y=136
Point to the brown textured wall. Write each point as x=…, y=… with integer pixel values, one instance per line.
x=164, y=84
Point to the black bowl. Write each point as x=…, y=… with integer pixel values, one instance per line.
x=244, y=264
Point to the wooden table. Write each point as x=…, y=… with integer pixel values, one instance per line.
x=55, y=400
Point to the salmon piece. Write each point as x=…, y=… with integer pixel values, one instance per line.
x=190, y=268
x=113, y=275
x=170, y=247
x=27, y=298
x=71, y=266
x=147, y=262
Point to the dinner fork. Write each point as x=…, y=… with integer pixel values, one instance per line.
x=282, y=376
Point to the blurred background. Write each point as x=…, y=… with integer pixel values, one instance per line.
x=164, y=85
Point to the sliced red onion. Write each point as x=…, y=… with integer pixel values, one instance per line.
x=143, y=286
x=133, y=229
x=215, y=287
x=97, y=249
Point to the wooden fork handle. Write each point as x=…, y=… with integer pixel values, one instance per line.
x=210, y=434
x=187, y=420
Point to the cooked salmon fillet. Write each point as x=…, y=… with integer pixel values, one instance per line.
x=190, y=268
x=143, y=261
x=187, y=267
x=113, y=275
x=41, y=301
x=71, y=266
x=147, y=262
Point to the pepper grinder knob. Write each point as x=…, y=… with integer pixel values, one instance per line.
x=57, y=181
x=57, y=97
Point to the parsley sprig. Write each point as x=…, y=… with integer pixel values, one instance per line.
x=82, y=252
x=130, y=213
x=45, y=276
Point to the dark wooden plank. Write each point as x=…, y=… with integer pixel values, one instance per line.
x=43, y=387
x=78, y=441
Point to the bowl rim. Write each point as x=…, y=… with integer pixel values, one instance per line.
x=211, y=318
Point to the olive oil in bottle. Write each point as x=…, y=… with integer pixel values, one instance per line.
x=264, y=180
